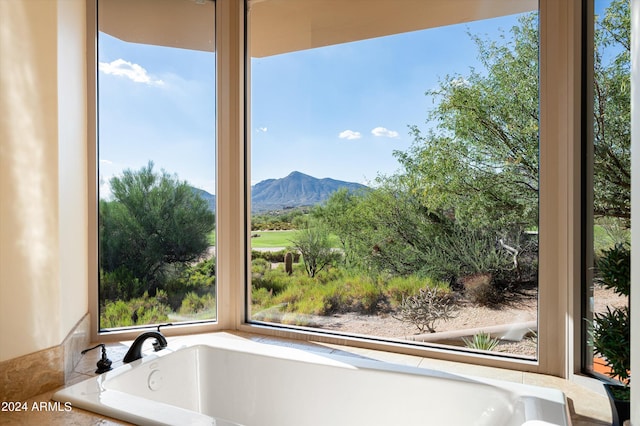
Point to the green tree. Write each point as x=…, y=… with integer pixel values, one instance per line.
x=345, y=217
x=153, y=221
x=479, y=160
x=612, y=113
x=314, y=245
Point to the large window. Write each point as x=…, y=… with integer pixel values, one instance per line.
x=394, y=172
x=156, y=154
x=608, y=192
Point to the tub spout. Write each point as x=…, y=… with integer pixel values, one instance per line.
x=135, y=351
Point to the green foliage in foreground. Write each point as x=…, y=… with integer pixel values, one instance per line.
x=611, y=330
x=313, y=243
x=154, y=222
x=141, y=310
x=188, y=294
x=275, y=293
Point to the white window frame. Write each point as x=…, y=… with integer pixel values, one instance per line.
x=559, y=277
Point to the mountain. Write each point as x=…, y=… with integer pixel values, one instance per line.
x=208, y=197
x=294, y=190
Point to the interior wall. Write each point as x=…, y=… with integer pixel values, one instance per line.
x=72, y=162
x=42, y=203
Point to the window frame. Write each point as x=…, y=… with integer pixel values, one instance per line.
x=560, y=195
x=128, y=333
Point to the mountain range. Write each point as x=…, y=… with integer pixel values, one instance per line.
x=295, y=190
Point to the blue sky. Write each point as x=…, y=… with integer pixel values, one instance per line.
x=338, y=111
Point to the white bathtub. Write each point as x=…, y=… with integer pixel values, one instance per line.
x=228, y=382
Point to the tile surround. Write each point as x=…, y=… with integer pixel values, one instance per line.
x=33, y=374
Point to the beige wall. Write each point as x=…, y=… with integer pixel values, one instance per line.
x=43, y=233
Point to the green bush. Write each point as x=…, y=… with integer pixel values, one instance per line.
x=201, y=275
x=273, y=256
x=611, y=338
x=316, y=296
x=193, y=304
x=260, y=299
x=273, y=280
x=259, y=267
x=140, y=311
x=611, y=331
x=462, y=250
x=399, y=288
x=614, y=268
x=119, y=285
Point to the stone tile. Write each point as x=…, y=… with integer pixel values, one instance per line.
x=296, y=344
x=585, y=405
x=41, y=410
x=32, y=374
x=75, y=342
x=472, y=370
x=88, y=361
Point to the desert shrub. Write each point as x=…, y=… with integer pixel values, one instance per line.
x=399, y=288
x=426, y=308
x=116, y=314
x=481, y=341
x=198, y=278
x=138, y=311
x=119, y=284
x=482, y=289
x=315, y=245
x=202, y=274
x=306, y=296
x=273, y=280
x=329, y=275
x=360, y=294
x=259, y=267
x=274, y=256
x=260, y=299
x=194, y=304
x=290, y=297
x=460, y=250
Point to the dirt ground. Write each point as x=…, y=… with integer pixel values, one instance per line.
x=470, y=316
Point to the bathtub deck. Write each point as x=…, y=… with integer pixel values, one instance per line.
x=586, y=407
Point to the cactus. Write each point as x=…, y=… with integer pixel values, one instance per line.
x=288, y=263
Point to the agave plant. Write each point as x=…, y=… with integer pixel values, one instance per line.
x=481, y=341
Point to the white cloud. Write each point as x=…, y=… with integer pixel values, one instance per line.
x=134, y=72
x=349, y=135
x=103, y=161
x=261, y=130
x=383, y=132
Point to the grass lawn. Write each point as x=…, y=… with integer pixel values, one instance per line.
x=269, y=239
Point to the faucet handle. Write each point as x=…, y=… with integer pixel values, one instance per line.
x=163, y=325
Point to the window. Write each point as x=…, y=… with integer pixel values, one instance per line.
x=156, y=162
x=608, y=191
x=394, y=177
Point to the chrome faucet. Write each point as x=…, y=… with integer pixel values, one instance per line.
x=135, y=351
